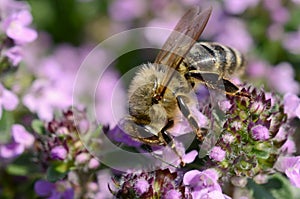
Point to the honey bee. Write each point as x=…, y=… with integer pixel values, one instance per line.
x=162, y=90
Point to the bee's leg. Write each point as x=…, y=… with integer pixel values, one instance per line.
x=213, y=81
x=161, y=139
x=200, y=132
x=169, y=140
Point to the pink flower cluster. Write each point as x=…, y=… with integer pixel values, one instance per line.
x=15, y=24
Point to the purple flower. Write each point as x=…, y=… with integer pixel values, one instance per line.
x=289, y=147
x=59, y=153
x=283, y=71
x=296, y=1
x=56, y=190
x=104, y=181
x=291, y=105
x=258, y=69
x=21, y=136
x=224, y=105
x=43, y=97
x=8, y=100
x=126, y=10
x=173, y=194
x=43, y=188
x=228, y=138
x=15, y=27
x=156, y=36
x=82, y=158
x=260, y=132
x=280, y=15
x=141, y=186
x=22, y=139
x=11, y=150
x=291, y=42
x=202, y=183
x=93, y=163
x=110, y=107
x=217, y=154
x=14, y=54
x=238, y=34
x=237, y=6
x=291, y=167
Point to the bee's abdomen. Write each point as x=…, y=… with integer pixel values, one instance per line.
x=214, y=57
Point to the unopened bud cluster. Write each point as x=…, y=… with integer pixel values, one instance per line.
x=61, y=141
x=250, y=142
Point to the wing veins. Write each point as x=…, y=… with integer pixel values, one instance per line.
x=183, y=37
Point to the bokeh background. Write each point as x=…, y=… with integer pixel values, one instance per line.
x=266, y=32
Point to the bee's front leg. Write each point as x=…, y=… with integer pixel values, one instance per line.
x=200, y=132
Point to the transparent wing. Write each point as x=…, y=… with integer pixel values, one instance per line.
x=186, y=32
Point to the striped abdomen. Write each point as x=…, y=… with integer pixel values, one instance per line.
x=214, y=57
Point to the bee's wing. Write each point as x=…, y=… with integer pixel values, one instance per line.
x=184, y=36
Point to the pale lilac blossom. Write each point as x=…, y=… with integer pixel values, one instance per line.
x=281, y=15
x=291, y=105
x=224, y=105
x=59, y=153
x=291, y=42
x=296, y=1
x=235, y=34
x=217, y=154
x=283, y=71
x=93, y=163
x=291, y=167
x=8, y=100
x=43, y=98
x=141, y=186
x=260, y=132
x=22, y=136
x=21, y=140
x=258, y=68
x=238, y=7
x=104, y=181
x=126, y=10
x=173, y=194
x=14, y=55
x=289, y=147
x=203, y=183
x=16, y=27
x=82, y=158
x=11, y=150
x=156, y=36
x=110, y=98
x=228, y=138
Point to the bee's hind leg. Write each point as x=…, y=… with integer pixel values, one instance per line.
x=200, y=132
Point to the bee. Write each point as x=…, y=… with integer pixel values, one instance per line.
x=162, y=90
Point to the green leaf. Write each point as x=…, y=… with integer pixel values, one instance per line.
x=38, y=127
x=6, y=122
x=57, y=171
x=278, y=187
x=19, y=170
